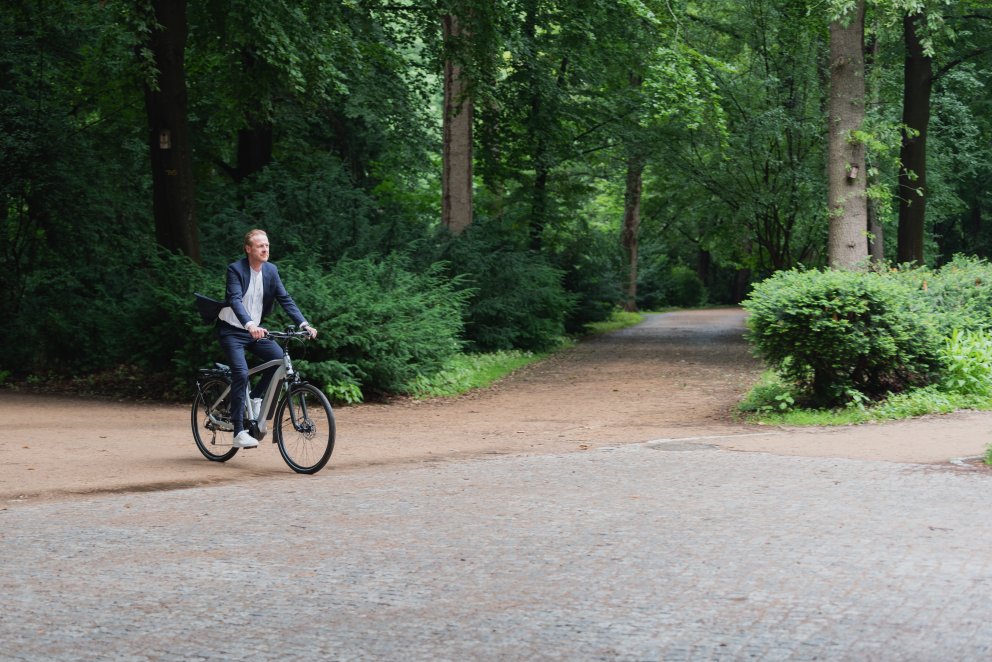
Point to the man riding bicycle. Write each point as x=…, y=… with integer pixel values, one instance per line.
x=253, y=285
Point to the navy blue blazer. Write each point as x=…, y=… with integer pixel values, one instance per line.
x=238, y=277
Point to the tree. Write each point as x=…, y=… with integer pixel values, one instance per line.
x=456, y=181
x=846, y=159
x=629, y=233
x=917, y=85
x=749, y=189
x=169, y=145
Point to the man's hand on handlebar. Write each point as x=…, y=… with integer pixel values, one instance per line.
x=257, y=332
x=312, y=330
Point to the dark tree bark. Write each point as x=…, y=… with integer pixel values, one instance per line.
x=876, y=236
x=631, y=227
x=917, y=85
x=847, y=247
x=456, y=180
x=168, y=133
x=255, y=139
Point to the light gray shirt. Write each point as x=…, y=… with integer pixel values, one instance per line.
x=252, y=301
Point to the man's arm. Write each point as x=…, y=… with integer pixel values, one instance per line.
x=287, y=303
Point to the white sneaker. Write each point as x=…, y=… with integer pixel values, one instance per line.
x=256, y=408
x=244, y=440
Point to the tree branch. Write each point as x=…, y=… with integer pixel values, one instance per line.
x=961, y=60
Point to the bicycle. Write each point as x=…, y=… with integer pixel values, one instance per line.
x=303, y=421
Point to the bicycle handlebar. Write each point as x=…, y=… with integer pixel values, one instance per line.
x=288, y=334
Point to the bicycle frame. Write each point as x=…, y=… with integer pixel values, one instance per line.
x=281, y=377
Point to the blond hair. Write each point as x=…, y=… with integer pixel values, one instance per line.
x=252, y=233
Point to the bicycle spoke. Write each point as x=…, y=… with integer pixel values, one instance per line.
x=305, y=429
x=211, y=415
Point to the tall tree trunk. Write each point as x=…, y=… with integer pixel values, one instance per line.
x=876, y=231
x=846, y=161
x=631, y=227
x=168, y=133
x=917, y=84
x=456, y=180
x=876, y=235
x=255, y=139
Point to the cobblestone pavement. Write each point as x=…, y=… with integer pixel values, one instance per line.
x=675, y=551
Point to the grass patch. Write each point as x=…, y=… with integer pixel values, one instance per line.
x=465, y=372
x=771, y=402
x=619, y=319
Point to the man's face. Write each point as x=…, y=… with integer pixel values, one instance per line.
x=258, y=249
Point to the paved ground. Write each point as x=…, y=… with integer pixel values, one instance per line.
x=649, y=552
x=610, y=530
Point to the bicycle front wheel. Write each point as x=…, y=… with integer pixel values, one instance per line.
x=211, y=420
x=304, y=429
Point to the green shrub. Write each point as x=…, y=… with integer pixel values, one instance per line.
x=164, y=335
x=380, y=325
x=684, y=288
x=516, y=300
x=842, y=335
x=769, y=396
x=590, y=264
x=660, y=284
x=960, y=293
x=967, y=359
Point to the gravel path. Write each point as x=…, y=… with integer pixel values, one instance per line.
x=600, y=506
x=636, y=553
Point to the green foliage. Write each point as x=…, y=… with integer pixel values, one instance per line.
x=464, y=372
x=769, y=396
x=967, y=360
x=306, y=204
x=381, y=325
x=684, y=288
x=516, y=300
x=161, y=329
x=722, y=100
x=660, y=284
x=590, y=263
x=842, y=336
x=619, y=319
x=915, y=402
x=960, y=292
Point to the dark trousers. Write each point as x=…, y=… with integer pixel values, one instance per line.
x=234, y=342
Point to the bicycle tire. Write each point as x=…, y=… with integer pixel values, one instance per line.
x=304, y=429
x=205, y=429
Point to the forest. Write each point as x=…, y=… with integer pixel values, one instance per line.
x=447, y=176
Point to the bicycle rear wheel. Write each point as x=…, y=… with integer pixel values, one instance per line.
x=304, y=429
x=211, y=419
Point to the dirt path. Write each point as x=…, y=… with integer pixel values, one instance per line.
x=677, y=376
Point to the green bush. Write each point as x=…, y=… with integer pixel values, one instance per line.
x=684, y=288
x=843, y=335
x=516, y=300
x=590, y=264
x=967, y=359
x=661, y=284
x=960, y=293
x=164, y=335
x=380, y=325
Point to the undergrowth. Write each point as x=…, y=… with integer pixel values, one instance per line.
x=772, y=402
